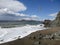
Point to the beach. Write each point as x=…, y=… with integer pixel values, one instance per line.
x=11, y=34
x=32, y=38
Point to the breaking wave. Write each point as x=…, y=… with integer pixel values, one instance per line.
x=10, y=34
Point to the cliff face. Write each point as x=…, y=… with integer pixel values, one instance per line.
x=56, y=22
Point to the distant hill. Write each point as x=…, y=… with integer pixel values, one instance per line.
x=15, y=20
x=19, y=22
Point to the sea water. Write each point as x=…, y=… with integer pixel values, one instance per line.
x=11, y=34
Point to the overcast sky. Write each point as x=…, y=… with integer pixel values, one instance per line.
x=29, y=9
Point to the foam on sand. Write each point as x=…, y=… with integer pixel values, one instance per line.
x=10, y=34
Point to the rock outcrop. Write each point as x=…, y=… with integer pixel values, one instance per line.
x=47, y=23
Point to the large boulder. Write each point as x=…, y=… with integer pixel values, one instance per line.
x=47, y=23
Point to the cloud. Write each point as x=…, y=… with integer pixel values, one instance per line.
x=53, y=15
x=27, y=18
x=9, y=11
x=34, y=16
x=6, y=14
x=12, y=5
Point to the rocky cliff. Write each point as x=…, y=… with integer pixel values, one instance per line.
x=56, y=22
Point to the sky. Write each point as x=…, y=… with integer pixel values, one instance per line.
x=29, y=9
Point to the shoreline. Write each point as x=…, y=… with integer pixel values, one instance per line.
x=26, y=40
x=26, y=33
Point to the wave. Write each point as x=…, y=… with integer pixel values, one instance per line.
x=10, y=34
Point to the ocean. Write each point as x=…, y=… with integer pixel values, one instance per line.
x=10, y=31
x=11, y=24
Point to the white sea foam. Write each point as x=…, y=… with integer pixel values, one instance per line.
x=10, y=34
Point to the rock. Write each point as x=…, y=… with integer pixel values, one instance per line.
x=47, y=23
x=37, y=43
